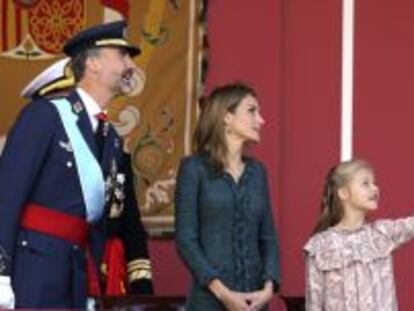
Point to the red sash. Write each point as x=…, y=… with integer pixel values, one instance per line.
x=116, y=276
x=70, y=228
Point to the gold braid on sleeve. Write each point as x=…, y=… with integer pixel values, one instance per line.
x=139, y=269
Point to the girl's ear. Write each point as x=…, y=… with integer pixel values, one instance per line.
x=343, y=193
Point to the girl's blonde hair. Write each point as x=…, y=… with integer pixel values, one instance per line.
x=331, y=206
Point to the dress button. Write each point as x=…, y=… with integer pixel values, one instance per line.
x=69, y=164
x=24, y=243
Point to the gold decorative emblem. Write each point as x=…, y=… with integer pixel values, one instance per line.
x=53, y=22
x=38, y=29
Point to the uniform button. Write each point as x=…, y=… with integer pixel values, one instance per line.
x=75, y=247
x=24, y=243
x=69, y=164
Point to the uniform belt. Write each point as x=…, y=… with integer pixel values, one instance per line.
x=55, y=223
x=67, y=227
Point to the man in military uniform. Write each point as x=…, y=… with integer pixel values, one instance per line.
x=67, y=204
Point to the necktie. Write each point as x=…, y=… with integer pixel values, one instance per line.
x=100, y=134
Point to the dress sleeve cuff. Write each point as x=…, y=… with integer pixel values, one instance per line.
x=208, y=277
x=275, y=282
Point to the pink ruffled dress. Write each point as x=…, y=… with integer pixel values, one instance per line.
x=353, y=270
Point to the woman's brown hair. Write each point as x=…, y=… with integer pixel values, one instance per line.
x=209, y=137
x=331, y=206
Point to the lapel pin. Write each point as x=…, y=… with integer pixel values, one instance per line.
x=66, y=146
x=77, y=107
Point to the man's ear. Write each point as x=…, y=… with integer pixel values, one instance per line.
x=93, y=64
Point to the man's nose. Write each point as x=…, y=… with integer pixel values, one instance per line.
x=129, y=62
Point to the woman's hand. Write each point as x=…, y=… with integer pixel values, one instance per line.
x=233, y=301
x=258, y=299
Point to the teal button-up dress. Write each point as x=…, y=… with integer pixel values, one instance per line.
x=224, y=229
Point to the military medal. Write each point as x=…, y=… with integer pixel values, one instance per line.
x=115, y=191
x=105, y=129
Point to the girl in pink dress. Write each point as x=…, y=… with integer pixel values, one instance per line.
x=348, y=261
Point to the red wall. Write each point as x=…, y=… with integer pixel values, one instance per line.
x=244, y=45
x=311, y=123
x=290, y=51
x=384, y=114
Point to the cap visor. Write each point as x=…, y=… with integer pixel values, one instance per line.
x=133, y=50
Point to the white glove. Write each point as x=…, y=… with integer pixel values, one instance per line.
x=91, y=304
x=6, y=293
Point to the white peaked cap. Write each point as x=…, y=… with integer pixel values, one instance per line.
x=52, y=74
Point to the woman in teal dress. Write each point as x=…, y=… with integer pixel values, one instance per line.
x=224, y=227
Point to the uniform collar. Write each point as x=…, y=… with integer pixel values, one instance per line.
x=91, y=106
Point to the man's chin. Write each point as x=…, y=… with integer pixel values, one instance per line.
x=122, y=91
x=135, y=84
x=126, y=91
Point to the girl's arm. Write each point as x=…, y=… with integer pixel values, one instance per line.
x=314, y=286
x=399, y=231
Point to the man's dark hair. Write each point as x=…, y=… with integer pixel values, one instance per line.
x=79, y=62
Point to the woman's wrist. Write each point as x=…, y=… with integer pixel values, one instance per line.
x=268, y=288
x=218, y=288
x=268, y=285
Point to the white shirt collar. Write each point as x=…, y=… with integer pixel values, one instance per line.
x=91, y=106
